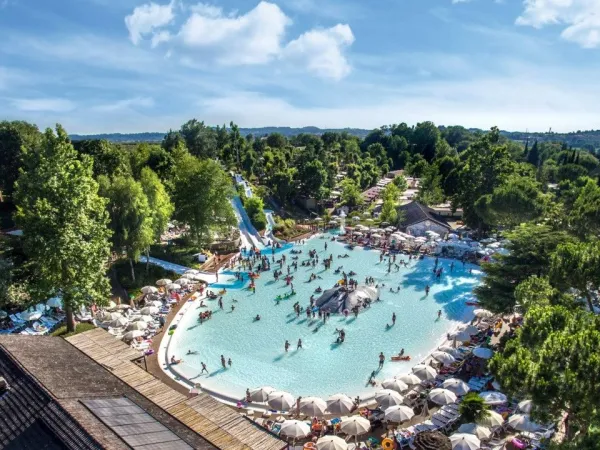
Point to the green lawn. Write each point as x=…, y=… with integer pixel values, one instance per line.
x=81, y=327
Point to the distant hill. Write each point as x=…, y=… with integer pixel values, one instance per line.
x=579, y=139
x=157, y=137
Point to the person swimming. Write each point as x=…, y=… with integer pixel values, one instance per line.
x=257, y=318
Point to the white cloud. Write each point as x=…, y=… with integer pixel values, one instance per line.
x=251, y=38
x=321, y=51
x=147, y=18
x=460, y=1
x=43, y=104
x=581, y=17
x=207, y=10
x=160, y=37
x=126, y=104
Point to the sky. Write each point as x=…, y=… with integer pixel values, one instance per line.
x=99, y=66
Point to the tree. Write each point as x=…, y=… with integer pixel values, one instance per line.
x=255, y=209
x=417, y=166
x=312, y=177
x=430, y=188
x=390, y=195
x=249, y=162
x=201, y=140
x=283, y=184
x=202, y=196
x=555, y=360
x=351, y=194
x=172, y=140
x=13, y=136
x=585, y=214
x=530, y=251
x=159, y=202
x=108, y=159
x=64, y=223
x=424, y=138
x=401, y=183
x=473, y=408
x=534, y=291
x=533, y=157
x=577, y=265
x=518, y=200
x=276, y=140
x=131, y=219
x=571, y=172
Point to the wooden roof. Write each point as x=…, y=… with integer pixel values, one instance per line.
x=415, y=212
x=217, y=423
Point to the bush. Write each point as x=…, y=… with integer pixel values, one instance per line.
x=80, y=328
x=255, y=209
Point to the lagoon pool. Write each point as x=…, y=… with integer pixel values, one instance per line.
x=321, y=367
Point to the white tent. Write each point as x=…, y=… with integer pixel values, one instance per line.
x=386, y=398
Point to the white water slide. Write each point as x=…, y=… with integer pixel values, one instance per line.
x=250, y=237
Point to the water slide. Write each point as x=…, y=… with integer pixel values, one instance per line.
x=208, y=276
x=250, y=237
x=270, y=226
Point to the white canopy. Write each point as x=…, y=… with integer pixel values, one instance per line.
x=442, y=396
x=493, y=397
x=149, y=290
x=295, y=429
x=424, y=372
x=399, y=413
x=339, y=404
x=464, y=441
x=492, y=419
x=443, y=357
x=386, y=398
x=163, y=282
x=149, y=310
x=522, y=422
x=410, y=379
x=281, y=401
x=261, y=395
x=483, y=353
x=525, y=406
x=313, y=406
x=478, y=430
x=355, y=425
x=483, y=313
x=331, y=443
x=459, y=387
x=173, y=286
x=395, y=385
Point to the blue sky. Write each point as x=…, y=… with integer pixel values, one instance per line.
x=133, y=65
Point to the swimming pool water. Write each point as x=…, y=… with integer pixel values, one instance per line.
x=321, y=367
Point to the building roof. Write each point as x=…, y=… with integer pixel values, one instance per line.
x=63, y=378
x=415, y=212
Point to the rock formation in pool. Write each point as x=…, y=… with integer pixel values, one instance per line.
x=338, y=299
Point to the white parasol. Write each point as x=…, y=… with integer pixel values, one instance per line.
x=492, y=419
x=478, y=430
x=173, y=286
x=483, y=313
x=131, y=335
x=410, y=379
x=281, y=401
x=261, y=395
x=163, y=282
x=386, y=398
x=522, y=422
x=339, y=404
x=493, y=398
x=398, y=413
x=149, y=310
x=313, y=406
x=295, y=429
x=443, y=357
x=355, y=425
x=424, y=372
x=331, y=443
x=139, y=325
x=459, y=387
x=464, y=441
x=442, y=396
x=395, y=385
x=31, y=315
x=118, y=323
x=54, y=302
x=483, y=353
x=149, y=290
x=525, y=406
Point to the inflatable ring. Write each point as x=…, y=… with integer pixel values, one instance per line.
x=387, y=444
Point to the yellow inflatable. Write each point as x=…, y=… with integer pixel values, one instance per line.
x=387, y=444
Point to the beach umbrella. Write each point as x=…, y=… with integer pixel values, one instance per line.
x=459, y=387
x=410, y=379
x=331, y=443
x=163, y=282
x=139, y=325
x=355, y=425
x=483, y=313
x=399, y=413
x=525, y=406
x=462, y=336
x=118, y=323
x=395, y=385
x=432, y=440
x=443, y=357
x=478, y=430
x=493, y=397
x=386, y=398
x=424, y=372
x=295, y=429
x=261, y=395
x=313, y=406
x=31, y=315
x=465, y=441
x=281, y=401
x=54, y=302
x=357, y=233
x=191, y=272
x=123, y=307
x=339, y=404
x=183, y=281
x=149, y=290
x=492, y=419
x=471, y=329
x=483, y=353
x=131, y=335
x=149, y=310
x=442, y=396
x=155, y=303
x=143, y=318
x=450, y=350
x=376, y=236
x=3, y=314
x=173, y=286
x=105, y=316
x=111, y=305
x=522, y=422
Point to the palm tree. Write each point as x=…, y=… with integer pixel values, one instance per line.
x=473, y=408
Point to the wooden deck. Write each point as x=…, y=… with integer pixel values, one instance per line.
x=214, y=421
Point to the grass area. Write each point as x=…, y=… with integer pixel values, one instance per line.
x=143, y=277
x=177, y=252
x=288, y=229
x=80, y=328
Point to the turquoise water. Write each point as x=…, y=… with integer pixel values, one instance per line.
x=322, y=367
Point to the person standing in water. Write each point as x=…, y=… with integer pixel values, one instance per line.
x=299, y=343
x=393, y=318
x=427, y=290
x=439, y=313
x=381, y=359
x=223, y=362
x=287, y=346
x=204, y=369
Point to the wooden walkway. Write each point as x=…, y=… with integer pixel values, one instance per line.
x=219, y=424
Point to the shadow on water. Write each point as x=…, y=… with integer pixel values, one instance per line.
x=300, y=322
x=269, y=283
x=293, y=319
x=351, y=320
x=218, y=372
x=192, y=327
x=279, y=358
x=335, y=345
